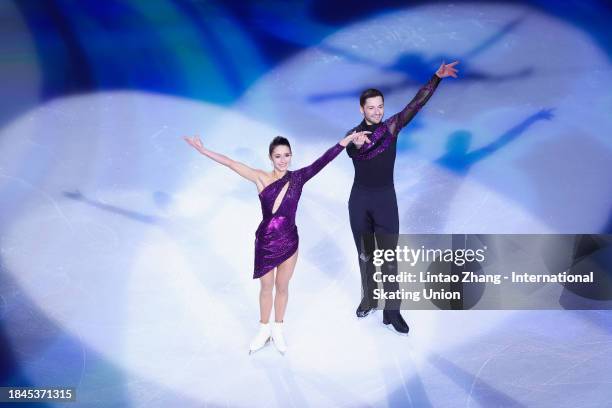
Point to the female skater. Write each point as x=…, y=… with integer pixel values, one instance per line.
x=276, y=238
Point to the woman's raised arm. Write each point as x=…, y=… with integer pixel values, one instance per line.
x=242, y=169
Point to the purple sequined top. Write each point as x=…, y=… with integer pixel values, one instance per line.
x=374, y=161
x=276, y=238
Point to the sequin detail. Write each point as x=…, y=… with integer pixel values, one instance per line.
x=379, y=141
x=383, y=135
x=276, y=238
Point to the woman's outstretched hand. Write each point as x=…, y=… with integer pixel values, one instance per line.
x=358, y=138
x=447, y=70
x=195, y=142
x=240, y=168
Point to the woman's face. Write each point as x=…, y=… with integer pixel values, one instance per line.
x=281, y=157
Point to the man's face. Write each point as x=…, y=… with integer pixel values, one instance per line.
x=373, y=110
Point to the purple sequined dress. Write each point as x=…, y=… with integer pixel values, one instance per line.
x=276, y=238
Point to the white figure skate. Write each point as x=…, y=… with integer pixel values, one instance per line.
x=278, y=338
x=261, y=338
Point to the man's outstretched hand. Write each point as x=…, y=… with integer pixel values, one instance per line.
x=447, y=70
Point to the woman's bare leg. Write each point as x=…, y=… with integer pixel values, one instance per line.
x=283, y=275
x=265, y=296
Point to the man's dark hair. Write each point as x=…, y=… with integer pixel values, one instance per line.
x=278, y=141
x=369, y=93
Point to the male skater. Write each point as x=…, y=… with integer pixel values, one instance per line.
x=373, y=205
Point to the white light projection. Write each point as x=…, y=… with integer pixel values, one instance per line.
x=136, y=281
x=143, y=248
x=166, y=293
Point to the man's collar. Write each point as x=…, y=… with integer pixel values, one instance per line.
x=365, y=126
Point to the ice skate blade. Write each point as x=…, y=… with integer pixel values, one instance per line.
x=264, y=345
x=390, y=327
x=370, y=313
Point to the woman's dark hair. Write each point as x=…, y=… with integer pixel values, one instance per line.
x=369, y=93
x=278, y=141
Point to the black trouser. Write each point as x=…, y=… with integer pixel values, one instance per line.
x=375, y=225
